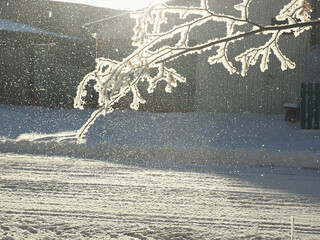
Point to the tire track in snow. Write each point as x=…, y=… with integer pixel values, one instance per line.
x=58, y=198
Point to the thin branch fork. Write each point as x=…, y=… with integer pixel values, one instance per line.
x=239, y=36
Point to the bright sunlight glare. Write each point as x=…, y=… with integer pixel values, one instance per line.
x=117, y=4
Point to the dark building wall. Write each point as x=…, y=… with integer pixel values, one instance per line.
x=23, y=80
x=45, y=72
x=59, y=17
x=15, y=74
x=315, y=32
x=57, y=65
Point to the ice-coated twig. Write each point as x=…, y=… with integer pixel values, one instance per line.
x=115, y=79
x=251, y=56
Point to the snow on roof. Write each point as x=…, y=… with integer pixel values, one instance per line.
x=7, y=25
x=290, y=105
x=115, y=4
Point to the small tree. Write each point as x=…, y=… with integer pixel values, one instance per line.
x=115, y=79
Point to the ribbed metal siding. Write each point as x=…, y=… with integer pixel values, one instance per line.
x=258, y=92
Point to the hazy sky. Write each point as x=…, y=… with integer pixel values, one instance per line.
x=117, y=4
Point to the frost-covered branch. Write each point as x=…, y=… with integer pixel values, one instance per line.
x=153, y=29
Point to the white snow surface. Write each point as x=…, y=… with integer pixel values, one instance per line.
x=115, y=4
x=139, y=175
x=231, y=138
x=65, y=198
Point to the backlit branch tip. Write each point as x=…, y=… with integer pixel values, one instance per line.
x=162, y=34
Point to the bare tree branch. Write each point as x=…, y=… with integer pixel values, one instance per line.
x=115, y=79
x=239, y=36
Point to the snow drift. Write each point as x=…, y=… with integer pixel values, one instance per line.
x=243, y=138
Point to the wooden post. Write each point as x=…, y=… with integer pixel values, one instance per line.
x=303, y=111
x=292, y=228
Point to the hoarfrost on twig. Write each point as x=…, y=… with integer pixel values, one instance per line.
x=115, y=79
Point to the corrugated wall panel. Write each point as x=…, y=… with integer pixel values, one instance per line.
x=217, y=91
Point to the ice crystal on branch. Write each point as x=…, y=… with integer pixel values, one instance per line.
x=252, y=55
x=244, y=9
x=294, y=12
x=157, y=24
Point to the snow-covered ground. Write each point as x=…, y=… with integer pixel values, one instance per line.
x=156, y=176
x=64, y=198
x=244, y=138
